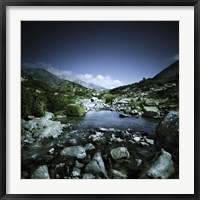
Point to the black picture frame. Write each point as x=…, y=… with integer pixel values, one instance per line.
x=5, y=3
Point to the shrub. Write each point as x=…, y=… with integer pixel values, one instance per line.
x=58, y=102
x=109, y=98
x=39, y=107
x=74, y=110
x=32, y=103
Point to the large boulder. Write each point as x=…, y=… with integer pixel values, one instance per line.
x=168, y=128
x=117, y=174
x=74, y=151
x=161, y=168
x=96, y=165
x=119, y=153
x=41, y=173
x=168, y=133
x=36, y=129
x=151, y=111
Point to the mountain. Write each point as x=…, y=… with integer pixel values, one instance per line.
x=161, y=88
x=43, y=75
x=47, y=76
x=69, y=88
x=168, y=72
x=73, y=78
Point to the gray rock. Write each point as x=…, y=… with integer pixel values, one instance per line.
x=78, y=164
x=151, y=102
x=133, y=163
x=151, y=111
x=150, y=141
x=118, y=140
x=51, y=151
x=139, y=162
x=103, y=129
x=167, y=132
x=61, y=116
x=31, y=117
x=168, y=129
x=96, y=165
x=144, y=144
x=74, y=151
x=97, y=137
x=89, y=147
x=121, y=115
x=120, y=152
x=114, y=139
x=111, y=130
x=57, y=176
x=136, y=139
x=76, y=172
x=60, y=165
x=41, y=173
x=133, y=112
x=88, y=176
x=72, y=141
x=161, y=168
x=123, y=101
x=117, y=174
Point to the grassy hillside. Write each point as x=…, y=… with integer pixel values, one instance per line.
x=39, y=96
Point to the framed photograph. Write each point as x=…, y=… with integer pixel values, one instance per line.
x=99, y=99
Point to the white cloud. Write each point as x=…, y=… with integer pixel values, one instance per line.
x=99, y=77
x=104, y=81
x=64, y=74
x=86, y=76
x=174, y=58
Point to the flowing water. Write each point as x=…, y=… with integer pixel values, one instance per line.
x=93, y=120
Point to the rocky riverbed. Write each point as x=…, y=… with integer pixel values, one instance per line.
x=51, y=150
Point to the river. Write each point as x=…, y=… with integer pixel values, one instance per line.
x=111, y=119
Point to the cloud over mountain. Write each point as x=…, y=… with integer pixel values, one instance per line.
x=104, y=81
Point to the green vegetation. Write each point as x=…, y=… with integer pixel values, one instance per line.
x=108, y=97
x=57, y=102
x=74, y=110
x=134, y=104
x=38, y=97
x=32, y=103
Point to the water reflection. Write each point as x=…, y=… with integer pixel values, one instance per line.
x=111, y=119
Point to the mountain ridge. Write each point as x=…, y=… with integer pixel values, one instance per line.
x=170, y=71
x=47, y=76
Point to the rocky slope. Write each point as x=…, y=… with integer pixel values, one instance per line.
x=171, y=71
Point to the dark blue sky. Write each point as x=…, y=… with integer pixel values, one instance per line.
x=124, y=50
